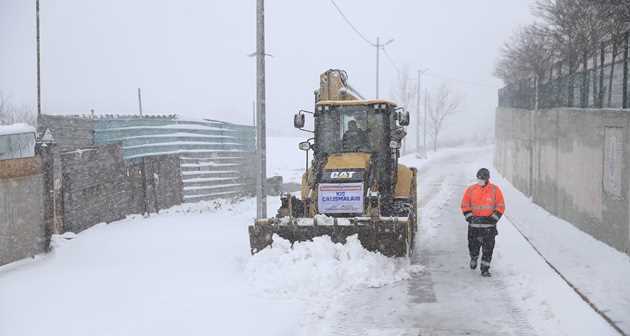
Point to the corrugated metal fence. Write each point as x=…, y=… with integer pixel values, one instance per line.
x=215, y=156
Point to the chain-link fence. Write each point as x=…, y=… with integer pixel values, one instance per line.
x=600, y=80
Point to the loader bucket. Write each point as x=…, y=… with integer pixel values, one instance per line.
x=391, y=236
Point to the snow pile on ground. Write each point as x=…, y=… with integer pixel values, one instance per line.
x=320, y=267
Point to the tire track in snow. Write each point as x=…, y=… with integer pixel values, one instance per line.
x=438, y=251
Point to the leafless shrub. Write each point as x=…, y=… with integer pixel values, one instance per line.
x=441, y=104
x=11, y=114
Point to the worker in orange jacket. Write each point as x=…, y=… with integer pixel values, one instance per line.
x=482, y=206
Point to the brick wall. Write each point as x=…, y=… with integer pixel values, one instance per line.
x=94, y=186
x=69, y=132
x=100, y=187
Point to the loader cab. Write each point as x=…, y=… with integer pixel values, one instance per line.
x=345, y=129
x=353, y=126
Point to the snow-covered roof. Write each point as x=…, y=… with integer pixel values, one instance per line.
x=16, y=129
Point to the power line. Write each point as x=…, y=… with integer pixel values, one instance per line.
x=391, y=61
x=378, y=45
x=345, y=18
x=438, y=75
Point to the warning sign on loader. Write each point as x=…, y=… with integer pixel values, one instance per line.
x=340, y=198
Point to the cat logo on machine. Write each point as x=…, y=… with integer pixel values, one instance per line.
x=342, y=175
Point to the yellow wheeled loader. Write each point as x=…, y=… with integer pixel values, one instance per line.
x=355, y=184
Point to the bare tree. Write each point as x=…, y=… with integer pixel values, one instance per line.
x=569, y=34
x=577, y=30
x=615, y=18
x=529, y=53
x=404, y=93
x=574, y=24
x=441, y=104
x=11, y=114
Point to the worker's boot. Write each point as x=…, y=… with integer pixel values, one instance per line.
x=485, y=270
x=473, y=263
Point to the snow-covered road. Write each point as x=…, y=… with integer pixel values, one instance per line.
x=188, y=272
x=524, y=297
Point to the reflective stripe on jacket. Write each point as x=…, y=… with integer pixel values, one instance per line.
x=483, y=201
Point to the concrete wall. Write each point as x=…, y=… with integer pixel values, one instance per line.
x=572, y=162
x=22, y=226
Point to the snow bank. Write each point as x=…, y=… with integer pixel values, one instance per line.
x=321, y=268
x=598, y=270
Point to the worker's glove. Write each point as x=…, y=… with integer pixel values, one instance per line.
x=469, y=216
x=496, y=216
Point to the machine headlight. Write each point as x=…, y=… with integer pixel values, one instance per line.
x=304, y=146
x=394, y=144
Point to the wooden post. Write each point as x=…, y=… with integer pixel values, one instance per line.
x=140, y=101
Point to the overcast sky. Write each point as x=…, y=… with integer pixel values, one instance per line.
x=190, y=56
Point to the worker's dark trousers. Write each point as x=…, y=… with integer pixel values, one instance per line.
x=482, y=238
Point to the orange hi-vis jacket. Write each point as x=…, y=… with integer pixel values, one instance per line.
x=483, y=201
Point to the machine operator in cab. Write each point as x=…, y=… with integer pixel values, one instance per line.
x=354, y=139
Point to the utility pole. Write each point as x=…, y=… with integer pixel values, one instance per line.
x=378, y=47
x=418, y=100
x=140, y=101
x=39, y=87
x=261, y=174
x=426, y=108
x=377, y=63
x=378, y=44
x=418, y=114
